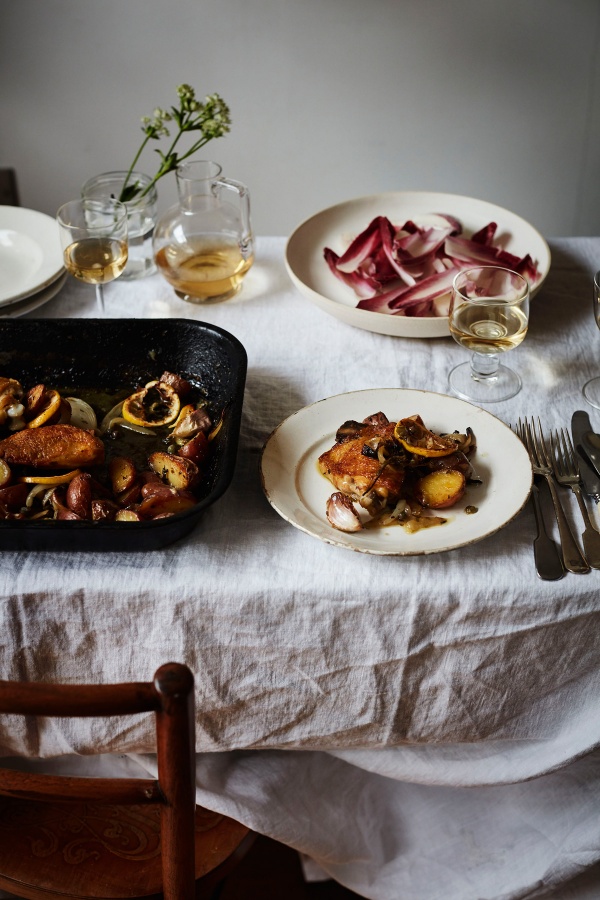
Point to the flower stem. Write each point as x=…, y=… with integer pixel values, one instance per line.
x=193, y=149
x=212, y=118
x=162, y=170
x=132, y=166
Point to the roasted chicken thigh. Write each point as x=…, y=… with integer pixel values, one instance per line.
x=52, y=447
x=354, y=467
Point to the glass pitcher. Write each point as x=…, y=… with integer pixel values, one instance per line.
x=203, y=245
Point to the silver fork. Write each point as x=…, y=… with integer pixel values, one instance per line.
x=566, y=472
x=540, y=462
x=548, y=558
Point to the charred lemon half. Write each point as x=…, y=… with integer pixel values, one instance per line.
x=417, y=439
x=154, y=405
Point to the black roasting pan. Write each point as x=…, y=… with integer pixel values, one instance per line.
x=111, y=354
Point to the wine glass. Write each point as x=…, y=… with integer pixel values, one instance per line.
x=489, y=314
x=93, y=236
x=591, y=389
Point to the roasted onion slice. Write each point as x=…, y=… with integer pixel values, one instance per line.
x=82, y=414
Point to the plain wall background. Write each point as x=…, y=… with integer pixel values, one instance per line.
x=330, y=99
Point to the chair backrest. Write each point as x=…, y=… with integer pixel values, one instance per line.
x=170, y=696
x=9, y=192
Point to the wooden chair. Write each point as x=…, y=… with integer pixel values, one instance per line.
x=9, y=192
x=79, y=837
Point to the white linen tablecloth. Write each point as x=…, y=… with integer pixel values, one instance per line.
x=449, y=702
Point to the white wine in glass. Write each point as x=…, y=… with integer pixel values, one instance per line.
x=591, y=389
x=93, y=235
x=489, y=314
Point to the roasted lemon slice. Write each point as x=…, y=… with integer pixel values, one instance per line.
x=417, y=439
x=49, y=480
x=155, y=405
x=51, y=405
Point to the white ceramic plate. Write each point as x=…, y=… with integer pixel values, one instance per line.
x=297, y=490
x=30, y=252
x=29, y=304
x=337, y=226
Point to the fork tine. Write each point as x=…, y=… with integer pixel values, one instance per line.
x=566, y=465
x=543, y=454
x=518, y=430
x=531, y=442
x=522, y=426
x=558, y=460
x=570, y=450
x=529, y=428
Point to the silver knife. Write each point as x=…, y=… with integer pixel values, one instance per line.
x=583, y=438
x=548, y=560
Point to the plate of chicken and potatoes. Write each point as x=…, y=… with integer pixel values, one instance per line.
x=395, y=472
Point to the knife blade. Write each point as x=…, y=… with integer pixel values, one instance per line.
x=581, y=429
x=548, y=559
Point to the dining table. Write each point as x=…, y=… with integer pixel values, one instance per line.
x=416, y=726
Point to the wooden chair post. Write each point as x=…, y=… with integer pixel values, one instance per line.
x=174, y=850
x=9, y=192
x=176, y=774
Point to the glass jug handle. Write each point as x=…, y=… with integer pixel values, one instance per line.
x=243, y=195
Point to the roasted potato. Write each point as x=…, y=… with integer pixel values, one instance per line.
x=196, y=449
x=104, y=510
x=5, y=473
x=63, y=514
x=127, y=515
x=122, y=473
x=79, y=495
x=13, y=497
x=131, y=494
x=440, y=489
x=176, y=471
x=157, y=489
x=157, y=505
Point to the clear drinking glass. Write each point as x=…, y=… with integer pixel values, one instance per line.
x=141, y=216
x=93, y=235
x=591, y=389
x=489, y=314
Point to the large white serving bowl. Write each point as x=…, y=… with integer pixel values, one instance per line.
x=336, y=226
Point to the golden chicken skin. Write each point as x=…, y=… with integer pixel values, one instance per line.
x=52, y=447
x=360, y=475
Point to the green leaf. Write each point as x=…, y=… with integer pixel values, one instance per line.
x=129, y=192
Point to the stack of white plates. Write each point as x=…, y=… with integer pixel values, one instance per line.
x=31, y=264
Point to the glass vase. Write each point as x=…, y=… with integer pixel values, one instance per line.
x=141, y=217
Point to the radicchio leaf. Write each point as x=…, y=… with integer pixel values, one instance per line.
x=409, y=270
